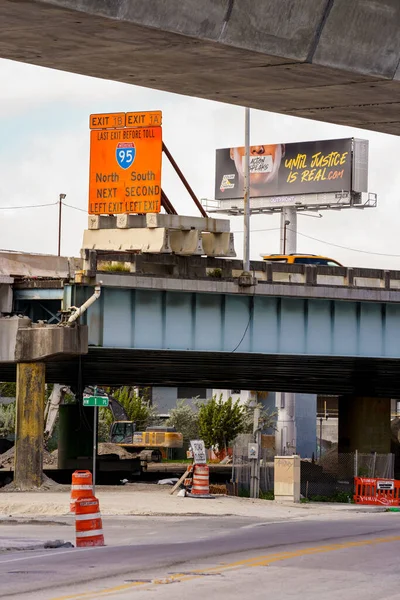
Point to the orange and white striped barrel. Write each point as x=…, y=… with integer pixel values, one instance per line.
x=88, y=524
x=82, y=485
x=201, y=480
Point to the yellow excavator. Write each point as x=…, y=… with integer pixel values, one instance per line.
x=152, y=444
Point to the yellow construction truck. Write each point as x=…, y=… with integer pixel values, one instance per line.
x=152, y=444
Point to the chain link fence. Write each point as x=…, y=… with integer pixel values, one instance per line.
x=333, y=476
x=329, y=478
x=241, y=467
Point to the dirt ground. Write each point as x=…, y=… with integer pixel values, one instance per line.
x=7, y=459
x=50, y=459
x=152, y=499
x=103, y=448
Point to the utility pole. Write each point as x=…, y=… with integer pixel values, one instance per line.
x=62, y=197
x=246, y=195
x=255, y=462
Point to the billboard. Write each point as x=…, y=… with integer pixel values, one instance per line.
x=125, y=163
x=295, y=169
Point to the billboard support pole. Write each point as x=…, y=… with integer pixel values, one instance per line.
x=246, y=195
x=60, y=203
x=288, y=230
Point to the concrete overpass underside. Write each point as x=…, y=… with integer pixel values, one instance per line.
x=289, y=373
x=329, y=60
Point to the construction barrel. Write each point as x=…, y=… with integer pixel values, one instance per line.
x=88, y=523
x=82, y=485
x=201, y=480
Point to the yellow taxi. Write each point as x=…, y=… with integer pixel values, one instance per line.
x=302, y=259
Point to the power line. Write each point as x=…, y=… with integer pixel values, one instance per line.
x=328, y=243
x=253, y=230
x=347, y=247
x=74, y=207
x=28, y=206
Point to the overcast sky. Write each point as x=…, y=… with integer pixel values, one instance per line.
x=44, y=151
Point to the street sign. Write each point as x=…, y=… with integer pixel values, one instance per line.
x=144, y=119
x=252, y=450
x=99, y=401
x=199, y=451
x=107, y=121
x=125, y=163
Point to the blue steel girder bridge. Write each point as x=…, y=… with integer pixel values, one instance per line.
x=300, y=328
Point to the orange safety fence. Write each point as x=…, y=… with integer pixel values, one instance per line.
x=383, y=492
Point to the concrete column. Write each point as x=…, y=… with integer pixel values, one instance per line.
x=285, y=435
x=29, y=428
x=364, y=424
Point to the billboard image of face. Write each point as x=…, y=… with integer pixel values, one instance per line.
x=285, y=169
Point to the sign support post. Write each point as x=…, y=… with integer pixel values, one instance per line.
x=288, y=230
x=95, y=415
x=246, y=195
x=95, y=401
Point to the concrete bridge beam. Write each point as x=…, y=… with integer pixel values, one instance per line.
x=335, y=61
x=24, y=341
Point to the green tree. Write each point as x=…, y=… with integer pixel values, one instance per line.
x=185, y=419
x=105, y=422
x=267, y=418
x=220, y=422
x=137, y=408
x=8, y=390
x=7, y=419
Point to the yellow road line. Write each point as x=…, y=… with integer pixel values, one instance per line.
x=255, y=561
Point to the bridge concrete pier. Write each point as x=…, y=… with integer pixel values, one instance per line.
x=364, y=425
x=29, y=429
x=30, y=345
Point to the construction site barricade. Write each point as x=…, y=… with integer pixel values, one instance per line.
x=374, y=491
x=88, y=523
x=82, y=486
x=201, y=480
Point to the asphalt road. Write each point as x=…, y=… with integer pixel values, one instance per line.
x=353, y=558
